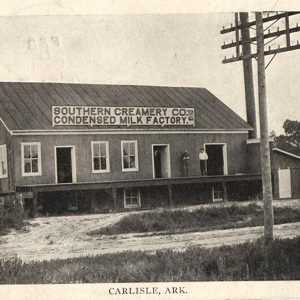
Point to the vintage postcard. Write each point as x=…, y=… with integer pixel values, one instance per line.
x=149, y=150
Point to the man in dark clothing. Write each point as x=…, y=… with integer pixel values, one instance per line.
x=186, y=163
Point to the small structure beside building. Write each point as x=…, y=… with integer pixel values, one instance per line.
x=286, y=172
x=112, y=147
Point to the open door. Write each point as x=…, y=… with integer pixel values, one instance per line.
x=65, y=165
x=161, y=161
x=217, y=160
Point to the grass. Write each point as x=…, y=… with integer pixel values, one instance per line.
x=203, y=219
x=11, y=218
x=250, y=261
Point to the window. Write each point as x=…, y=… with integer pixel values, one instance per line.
x=3, y=161
x=31, y=159
x=73, y=203
x=100, y=157
x=217, y=192
x=129, y=156
x=132, y=198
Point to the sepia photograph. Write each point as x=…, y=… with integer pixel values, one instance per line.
x=143, y=153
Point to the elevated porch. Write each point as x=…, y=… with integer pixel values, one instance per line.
x=32, y=191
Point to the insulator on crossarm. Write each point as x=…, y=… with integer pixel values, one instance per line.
x=231, y=25
x=223, y=27
x=269, y=48
x=277, y=28
x=297, y=42
x=278, y=46
x=224, y=57
x=269, y=31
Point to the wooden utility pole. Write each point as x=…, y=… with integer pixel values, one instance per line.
x=264, y=132
x=246, y=55
x=248, y=75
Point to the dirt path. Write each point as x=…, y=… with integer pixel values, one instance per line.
x=65, y=237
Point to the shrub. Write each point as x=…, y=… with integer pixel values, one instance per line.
x=11, y=217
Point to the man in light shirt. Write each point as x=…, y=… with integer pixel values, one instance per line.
x=203, y=157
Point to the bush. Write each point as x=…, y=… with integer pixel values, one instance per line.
x=11, y=217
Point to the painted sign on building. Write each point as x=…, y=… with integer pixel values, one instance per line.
x=128, y=116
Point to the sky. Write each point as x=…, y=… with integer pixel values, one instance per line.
x=143, y=49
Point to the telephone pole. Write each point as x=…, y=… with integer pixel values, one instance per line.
x=248, y=75
x=260, y=54
x=264, y=132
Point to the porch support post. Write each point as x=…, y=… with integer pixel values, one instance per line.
x=114, y=197
x=34, y=202
x=225, y=194
x=170, y=190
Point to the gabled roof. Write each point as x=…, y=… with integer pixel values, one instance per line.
x=27, y=106
x=286, y=153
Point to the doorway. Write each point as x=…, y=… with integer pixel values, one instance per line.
x=285, y=187
x=65, y=164
x=217, y=159
x=161, y=161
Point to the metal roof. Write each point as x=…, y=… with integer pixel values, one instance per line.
x=286, y=153
x=27, y=106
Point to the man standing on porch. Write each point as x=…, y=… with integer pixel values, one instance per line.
x=203, y=157
x=186, y=163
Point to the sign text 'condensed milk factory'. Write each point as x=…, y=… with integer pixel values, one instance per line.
x=128, y=116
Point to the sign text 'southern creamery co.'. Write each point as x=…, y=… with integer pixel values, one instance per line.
x=127, y=116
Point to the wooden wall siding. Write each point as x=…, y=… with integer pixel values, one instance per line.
x=295, y=183
x=295, y=178
x=5, y=138
x=253, y=151
x=236, y=153
x=275, y=184
x=283, y=161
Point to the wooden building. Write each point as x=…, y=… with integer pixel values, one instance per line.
x=286, y=174
x=112, y=147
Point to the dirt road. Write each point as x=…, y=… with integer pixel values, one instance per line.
x=64, y=237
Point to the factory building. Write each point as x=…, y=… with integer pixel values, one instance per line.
x=89, y=147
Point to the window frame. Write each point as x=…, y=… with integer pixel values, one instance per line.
x=138, y=205
x=38, y=144
x=216, y=192
x=136, y=156
x=3, y=149
x=71, y=207
x=107, y=170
